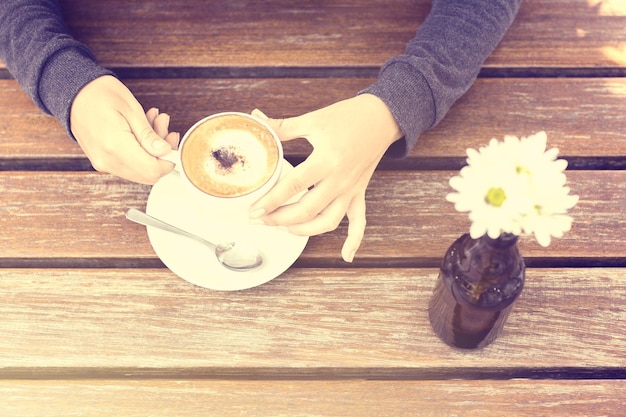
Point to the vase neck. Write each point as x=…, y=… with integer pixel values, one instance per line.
x=505, y=240
x=486, y=272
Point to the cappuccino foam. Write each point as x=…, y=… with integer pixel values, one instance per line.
x=229, y=156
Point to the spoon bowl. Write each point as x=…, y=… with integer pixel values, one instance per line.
x=232, y=255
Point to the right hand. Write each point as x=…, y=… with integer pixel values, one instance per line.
x=110, y=126
x=349, y=138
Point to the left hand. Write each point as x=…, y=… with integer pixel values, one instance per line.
x=117, y=136
x=349, y=138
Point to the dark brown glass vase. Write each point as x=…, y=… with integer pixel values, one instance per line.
x=478, y=282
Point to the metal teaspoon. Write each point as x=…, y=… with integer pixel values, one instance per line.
x=234, y=256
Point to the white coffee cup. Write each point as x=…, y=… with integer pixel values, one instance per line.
x=229, y=160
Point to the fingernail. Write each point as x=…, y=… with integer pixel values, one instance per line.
x=159, y=145
x=258, y=112
x=255, y=214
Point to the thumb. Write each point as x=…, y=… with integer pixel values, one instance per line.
x=149, y=140
x=287, y=129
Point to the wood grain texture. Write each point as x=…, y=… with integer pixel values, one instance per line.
x=308, y=323
x=583, y=117
x=77, y=215
x=565, y=33
x=313, y=399
x=93, y=324
x=547, y=33
x=245, y=33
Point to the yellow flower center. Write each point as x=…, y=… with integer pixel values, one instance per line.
x=495, y=196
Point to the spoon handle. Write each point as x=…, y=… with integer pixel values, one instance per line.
x=140, y=217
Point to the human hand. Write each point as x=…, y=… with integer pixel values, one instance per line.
x=110, y=126
x=349, y=138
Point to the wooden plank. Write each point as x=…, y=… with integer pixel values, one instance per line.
x=308, y=323
x=583, y=117
x=74, y=216
x=243, y=33
x=565, y=33
x=313, y=398
x=581, y=33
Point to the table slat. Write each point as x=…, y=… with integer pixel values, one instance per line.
x=492, y=108
x=315, y=398
x=308, y=323
x=355, y=33
x=77, y=215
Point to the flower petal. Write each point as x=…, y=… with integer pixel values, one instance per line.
x=531, y=188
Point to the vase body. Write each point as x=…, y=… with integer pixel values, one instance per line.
x=478, y=282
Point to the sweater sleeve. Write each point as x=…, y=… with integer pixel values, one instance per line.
x=38, y=50
x=440, y=63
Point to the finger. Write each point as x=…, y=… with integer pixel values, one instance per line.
x=312, y=204
x=328, y=220
x=152, y=114
x=300, y=179
x=161, y=125
x=149, y=140
x=173, y=138
x=287, y=129
x=142, y=167
x=356, y=228
x=145, y=169
x=131, y=162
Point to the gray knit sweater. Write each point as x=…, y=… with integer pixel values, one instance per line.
x=439, y=65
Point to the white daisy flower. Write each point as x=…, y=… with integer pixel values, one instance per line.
x=514, y=186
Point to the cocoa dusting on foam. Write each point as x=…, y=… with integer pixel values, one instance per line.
x=227, y=156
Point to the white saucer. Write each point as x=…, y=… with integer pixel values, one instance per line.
x=195, y=262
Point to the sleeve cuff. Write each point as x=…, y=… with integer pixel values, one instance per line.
x=64, y=75
x=409, y=98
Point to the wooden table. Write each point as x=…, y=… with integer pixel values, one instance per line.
x=92, y=323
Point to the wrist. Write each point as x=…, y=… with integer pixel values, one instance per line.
x=378, y=111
